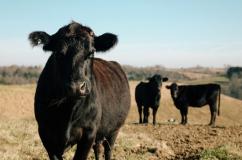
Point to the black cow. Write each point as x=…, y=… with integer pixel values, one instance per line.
x=79, y=100
x=148, y=95
x=196, y=96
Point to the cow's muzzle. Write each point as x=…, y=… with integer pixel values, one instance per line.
x=80, y=89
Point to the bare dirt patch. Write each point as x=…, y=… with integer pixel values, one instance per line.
x=172, y=141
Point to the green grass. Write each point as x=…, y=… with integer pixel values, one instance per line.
x=219, y=153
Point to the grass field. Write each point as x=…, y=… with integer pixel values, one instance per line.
x=19, y=139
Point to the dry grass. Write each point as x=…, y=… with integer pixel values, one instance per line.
x=19, y=139
x=16, y=101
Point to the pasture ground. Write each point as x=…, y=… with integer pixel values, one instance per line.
x=167, y=140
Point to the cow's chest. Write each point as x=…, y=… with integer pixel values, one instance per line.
x=85, y=123
x=181, y=102
x=73, y=134
x=65, y=125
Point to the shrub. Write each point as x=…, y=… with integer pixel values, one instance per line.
x=235, y=87
x=234, y=71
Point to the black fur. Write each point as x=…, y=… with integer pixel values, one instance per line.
x=148, y=95
x=79, y=100
x=105, y=42
x=196, y=96
x=38, y=37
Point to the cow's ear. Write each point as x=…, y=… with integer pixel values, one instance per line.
x=105, y=42
x=38, y=37
x=168, y=87
x=165, y=79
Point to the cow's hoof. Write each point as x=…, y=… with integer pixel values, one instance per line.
x=184, y=124
x=145, y=122
x=212, y=125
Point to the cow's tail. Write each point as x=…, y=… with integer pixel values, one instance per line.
x=219, y=95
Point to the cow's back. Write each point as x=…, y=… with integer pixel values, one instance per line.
x=199, y=95
x=112, y=94
x=199, y=90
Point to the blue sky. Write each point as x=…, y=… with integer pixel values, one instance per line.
x=172, y=33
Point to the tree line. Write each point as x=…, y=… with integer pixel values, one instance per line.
x=19, y=74
x=142, y=73
x=234, y=75
x=29, y=74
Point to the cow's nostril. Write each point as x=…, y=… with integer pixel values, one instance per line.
x=82, y=86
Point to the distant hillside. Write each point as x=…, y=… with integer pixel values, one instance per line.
x=19, y=74
x=231, y=85
x=142, y=73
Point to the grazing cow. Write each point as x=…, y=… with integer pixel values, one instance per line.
x=148, y=95
x=196, y=96
x=79, y=100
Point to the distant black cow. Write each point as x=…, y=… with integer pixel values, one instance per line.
x=148, y=95
x=79, y=100
x=196, y=96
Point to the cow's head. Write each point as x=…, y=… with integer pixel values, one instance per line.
x=71, y=47
x=157, y=80
x=174, y=90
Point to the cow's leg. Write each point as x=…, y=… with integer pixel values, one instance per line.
x=140, y=113
x=83, y=147
x=108, y=145
x=146, y=114
x=154, y=114
x=51, y=150
x=182, y=116
x=97, y=150
x=185, y=114
x=213, y=111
